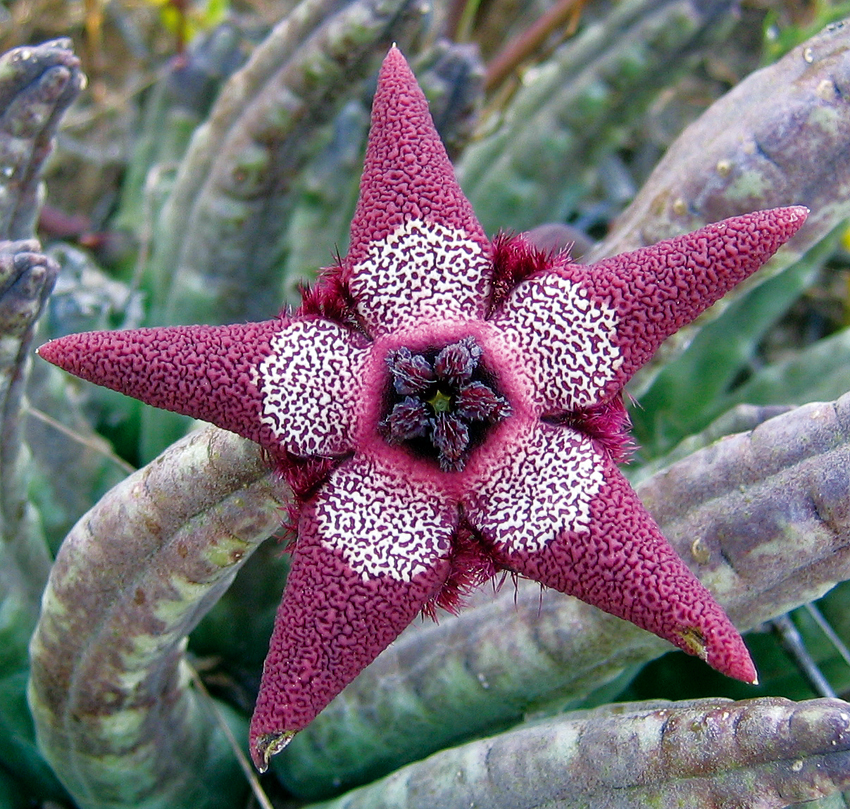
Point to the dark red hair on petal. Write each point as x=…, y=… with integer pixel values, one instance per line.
x=608, y=424
x=330, y=298
x=515, y=258
x=305, y=475
x=472, y=564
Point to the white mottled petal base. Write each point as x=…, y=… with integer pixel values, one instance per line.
x=381, y=522
x=531, y=494
x=566, y=337
x=422, y=270
x=311, y=388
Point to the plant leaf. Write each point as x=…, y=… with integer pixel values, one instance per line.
x=108, y=689
x=757, y=754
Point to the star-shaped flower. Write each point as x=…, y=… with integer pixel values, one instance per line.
x=445, y=408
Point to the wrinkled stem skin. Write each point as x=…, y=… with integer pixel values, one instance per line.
x=571, y=112
x=26, y=280
x=779, y=137
x=756, y=754
x=730, y=510
x=108, y=685
x=37, y=85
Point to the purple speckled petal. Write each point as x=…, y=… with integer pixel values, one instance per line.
x=656, y=290
x=562, y=514
x=310, y=384
x=585, y=330
x=207, y=372
x=540, y=483
x=417, y=250
x=566, y=338
x=372, y=549
x=383, y=520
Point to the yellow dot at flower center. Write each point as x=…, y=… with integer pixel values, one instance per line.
x=440, y=402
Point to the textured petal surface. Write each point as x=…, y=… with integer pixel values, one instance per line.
x=310, y=384
x=207, y=372
x=423, y=270
x=413, y=228
x=381, y=522
x=587, y=329
x=536, y=488
x=371, y=551
x=607, y=550
x=567, y=339
x=656, y=290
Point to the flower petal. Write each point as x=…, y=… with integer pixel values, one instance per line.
x=535, y=487
x=421, y=271
x=371, y=552
x=586, y=329
x=562, y=514
x=417, y=248
x=656, y=290
x=310, y=383
x=207, y=372
x=382, y=521
x=567, y=340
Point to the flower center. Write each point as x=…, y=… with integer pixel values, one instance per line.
x=441, y=402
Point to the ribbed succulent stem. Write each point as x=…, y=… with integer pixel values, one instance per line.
x=36, y=86
x=109, y=688
x=574, y=105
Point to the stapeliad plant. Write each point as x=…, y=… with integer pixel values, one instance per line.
x=445, y=405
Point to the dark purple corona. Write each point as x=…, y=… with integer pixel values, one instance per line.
x=441, y=402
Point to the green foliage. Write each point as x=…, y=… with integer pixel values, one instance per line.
x=780, y=37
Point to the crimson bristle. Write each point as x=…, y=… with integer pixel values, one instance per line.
x=304, y=475
x=472, y=564
x=330, y=298
x=515, y=258
x=608, y=424
x=290, y=521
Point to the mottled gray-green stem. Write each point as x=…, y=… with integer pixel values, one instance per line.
x=109, y=687
x=37, y=84
x=218, y=237
x=779, y=137
x=705, y=754
x=572, y=107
